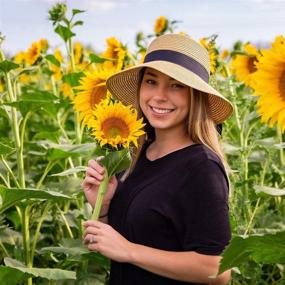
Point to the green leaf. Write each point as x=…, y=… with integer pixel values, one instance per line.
x=117, y=161
x=71, y=171
x=73, y=78
x=78, y=23
x=37, y=100
x=12, y=276
x=269, y=190
x=12, y=196
x=51, y=58
x=64, y=32
x=6, y=66
x=76, y=11
x=47, y=273
x=95, y=58
x=5, y=149
x=266, y=249
x=75, y=248
x=61, y=151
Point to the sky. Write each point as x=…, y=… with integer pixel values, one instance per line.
x=258, y=21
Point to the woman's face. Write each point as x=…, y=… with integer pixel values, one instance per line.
x=164, y=100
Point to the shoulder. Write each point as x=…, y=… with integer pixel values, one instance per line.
x=203, y=161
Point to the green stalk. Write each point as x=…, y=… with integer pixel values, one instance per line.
x=78, y=133
x=9, y=170
x=36, y=235
x=5, y=181
x=26, y=239
x=100, y=196
x=65, y=222
x=48, y=168
x=281, y=152
x=15, y=127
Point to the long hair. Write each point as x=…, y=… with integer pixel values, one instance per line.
x=200, y=127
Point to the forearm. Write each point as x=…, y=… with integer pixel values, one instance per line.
x=182, y=266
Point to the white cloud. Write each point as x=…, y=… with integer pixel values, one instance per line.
x=102, y=5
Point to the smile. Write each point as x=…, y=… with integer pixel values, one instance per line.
x=161, y=111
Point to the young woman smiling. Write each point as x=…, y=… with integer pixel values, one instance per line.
x=165, y=220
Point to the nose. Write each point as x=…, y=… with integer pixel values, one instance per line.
x=160, y=93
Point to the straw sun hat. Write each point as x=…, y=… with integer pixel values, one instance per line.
x=181, y=58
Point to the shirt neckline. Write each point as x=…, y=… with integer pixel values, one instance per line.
x=166, y=155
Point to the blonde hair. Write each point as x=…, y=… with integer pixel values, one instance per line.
x=200, y=127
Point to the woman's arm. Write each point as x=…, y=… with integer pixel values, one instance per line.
x=183, y=266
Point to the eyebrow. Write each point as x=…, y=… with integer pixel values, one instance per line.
x=154, y=75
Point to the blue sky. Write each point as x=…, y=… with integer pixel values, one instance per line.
x=25, y=21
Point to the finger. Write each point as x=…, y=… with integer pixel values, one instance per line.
x=91, y=180
x=90, y=238
x=94, y=173
x=90, y=231
x=93, y=223
x=94, y=164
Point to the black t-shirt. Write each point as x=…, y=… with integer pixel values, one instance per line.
x=178, y=202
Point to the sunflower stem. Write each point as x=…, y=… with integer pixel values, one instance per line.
x=100, y=196
x=78, y=133
x=15, y=127
x=281, y=152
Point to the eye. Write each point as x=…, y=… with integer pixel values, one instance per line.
x=150, y=81
x=177, y=86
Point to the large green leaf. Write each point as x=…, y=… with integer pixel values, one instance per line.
x=61, y=151
x=75, y=248
x=12, y=196
x=71, y=171
x=269, y=190
x=6, y=66
x=47, y=273
x=73, y=79
x=117, y=161
x=37, y=100
x=12, y=276
x=266, y=249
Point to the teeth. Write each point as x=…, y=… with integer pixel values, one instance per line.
x=161, y=111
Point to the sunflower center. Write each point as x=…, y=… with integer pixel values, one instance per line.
x=113, y=127
x=282, y=85
x=250, y=64
x=97, y=94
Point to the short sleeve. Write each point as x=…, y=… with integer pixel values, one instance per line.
x=200, y=209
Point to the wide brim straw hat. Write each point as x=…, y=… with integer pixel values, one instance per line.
x=181, y=58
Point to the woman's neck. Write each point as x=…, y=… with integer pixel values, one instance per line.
x=166, y=142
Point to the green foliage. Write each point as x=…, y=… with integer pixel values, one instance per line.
x=6, y=66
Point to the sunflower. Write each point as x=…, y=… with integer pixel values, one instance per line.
x=33, y=53
x=91, y=91
x=161, y=25
x=115, y=124
x=270, y=84
x=115, y=51
x=20, y=57
x=57, y=73
x=244, y=65
x=78, y=52
x=209, y=44
x=66, y=90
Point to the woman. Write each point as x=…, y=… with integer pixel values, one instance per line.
x=165, y=221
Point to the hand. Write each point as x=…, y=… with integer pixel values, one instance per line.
x=92, y=180
x=107, y=241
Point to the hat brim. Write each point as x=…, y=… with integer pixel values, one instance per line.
x=124, y=86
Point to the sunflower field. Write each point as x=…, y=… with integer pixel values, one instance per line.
x=47, y=101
